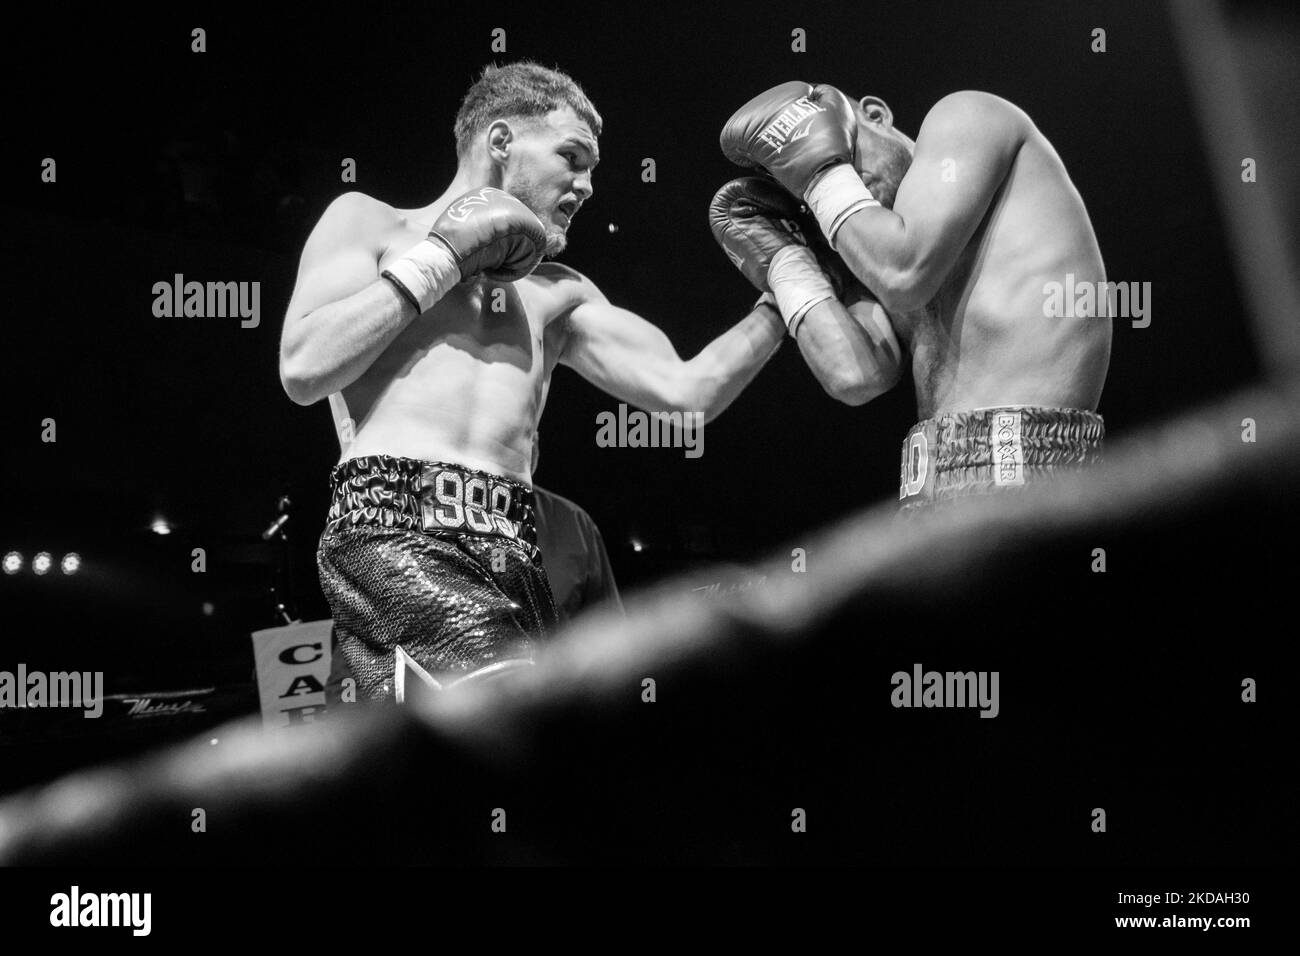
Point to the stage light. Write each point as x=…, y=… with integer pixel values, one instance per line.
x=160, y=526
x=41, y=563
x=71, y=563
x=13, y=562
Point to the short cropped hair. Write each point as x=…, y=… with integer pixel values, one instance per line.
x=523, y=89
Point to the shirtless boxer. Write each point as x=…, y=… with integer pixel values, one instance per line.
x=955, y=235
x=434, y=332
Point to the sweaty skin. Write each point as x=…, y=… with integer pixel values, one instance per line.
x=466, y=381
x=983, y=216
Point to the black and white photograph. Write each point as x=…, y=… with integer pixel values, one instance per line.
x=651, y=442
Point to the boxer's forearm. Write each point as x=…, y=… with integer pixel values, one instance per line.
x=875, y=245
x=329, y=348
x=850, y=366
x=718, y=374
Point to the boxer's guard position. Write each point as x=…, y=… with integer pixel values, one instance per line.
x=955, y=236
x=434, y=332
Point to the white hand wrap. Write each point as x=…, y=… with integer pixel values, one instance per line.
x=425, y=274
x=836, y=196
x=798, y=283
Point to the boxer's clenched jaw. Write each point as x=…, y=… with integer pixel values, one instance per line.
x=546, y=163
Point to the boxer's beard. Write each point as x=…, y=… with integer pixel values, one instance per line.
x=531, y=195
x=885, y=169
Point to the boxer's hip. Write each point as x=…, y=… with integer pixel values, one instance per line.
x=436, y=559
x=992, y=450
x=455, y=603
x=433, y=498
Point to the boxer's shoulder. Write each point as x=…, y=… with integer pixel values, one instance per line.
x=976, y=109
x=356, y=207
x=976, y=101
x=557, y=273
x=565, y=284
x=355, y=218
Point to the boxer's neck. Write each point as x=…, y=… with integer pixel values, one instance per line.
x=466, y=178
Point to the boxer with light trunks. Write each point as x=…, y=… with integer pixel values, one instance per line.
x=434, y=333
x=953, y=238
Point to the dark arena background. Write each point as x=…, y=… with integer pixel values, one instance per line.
x=1138, y=748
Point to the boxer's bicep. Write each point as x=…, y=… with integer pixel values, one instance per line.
x=622, y=354
x=963, y=154
x=337, y=260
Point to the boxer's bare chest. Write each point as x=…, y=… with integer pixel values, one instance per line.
x=935, y=334
x=482, y=319
x=982, y=334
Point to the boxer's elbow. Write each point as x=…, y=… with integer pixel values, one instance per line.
x=856, y=385
x=302, y=387
x=295, y=375
x=848, y=392
x=300, y=392
x=848, y=389
x=693, y=387
x=694, y=398
x=906, y=289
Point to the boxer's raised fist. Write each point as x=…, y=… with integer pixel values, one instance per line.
x=753, y=219
x=491, y=232
x=796, y=131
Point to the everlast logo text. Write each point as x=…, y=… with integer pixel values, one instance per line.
x=777, y=133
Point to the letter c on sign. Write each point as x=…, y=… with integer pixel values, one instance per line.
x=289, y=654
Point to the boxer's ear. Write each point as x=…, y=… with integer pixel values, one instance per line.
x=877, y=111
x=500, y=137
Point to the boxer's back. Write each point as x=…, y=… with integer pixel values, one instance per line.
x=465, y=382
x=984, y=340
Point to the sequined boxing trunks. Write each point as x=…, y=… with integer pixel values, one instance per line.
x=436, y=558
x=991, y=450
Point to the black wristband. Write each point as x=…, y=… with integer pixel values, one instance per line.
x=403, y=290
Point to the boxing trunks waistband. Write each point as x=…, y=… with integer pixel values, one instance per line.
x=433, y=497
x=988, y=450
